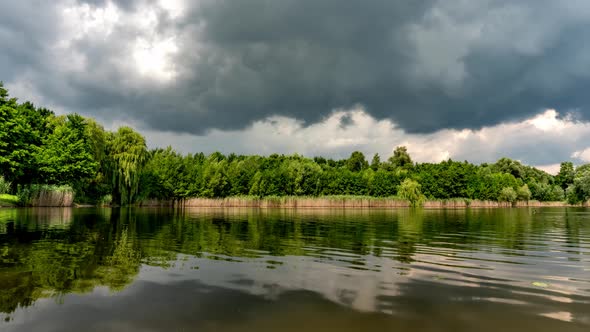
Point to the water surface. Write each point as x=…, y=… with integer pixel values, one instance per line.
x=293, y=270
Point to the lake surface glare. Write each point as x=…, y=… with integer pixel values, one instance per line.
x=295, y=270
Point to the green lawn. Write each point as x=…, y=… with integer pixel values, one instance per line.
x=8, y=200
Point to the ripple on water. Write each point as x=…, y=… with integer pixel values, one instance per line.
x=480, y=265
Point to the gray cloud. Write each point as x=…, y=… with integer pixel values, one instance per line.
x=426, y=65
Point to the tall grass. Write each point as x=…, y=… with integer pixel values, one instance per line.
x=344, y=201
x=297, y=201
x=46, y=195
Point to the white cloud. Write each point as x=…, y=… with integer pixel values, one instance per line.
x=543, y=140
x=551, y=168
x=147, y=52
x=175, y=8
x=152, y=58
x=83, y=20
x=583, y=155
x=549, y=121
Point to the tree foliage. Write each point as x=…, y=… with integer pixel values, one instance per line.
x=66, y=157
x=357, y=162
x=566, y=174
x=411, y=191
x=127, y=153
x=507, y=194
x=401, y=158
x=523, y=193
x=375, y=162
x=22, y=129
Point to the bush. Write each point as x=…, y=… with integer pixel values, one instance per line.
x=105, y=200
x=507, y=194
x=410, y=190
x=523, y=193
x=4, y=185
x=557, y=194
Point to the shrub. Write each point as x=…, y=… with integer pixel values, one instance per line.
x=105, y=200
x=557, y=194
x=507, y=194
x=523, y=193
x=410, y=190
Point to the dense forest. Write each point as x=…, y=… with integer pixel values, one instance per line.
x=39, y=148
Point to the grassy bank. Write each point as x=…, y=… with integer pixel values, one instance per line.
x=341, y=202
x=7, y=200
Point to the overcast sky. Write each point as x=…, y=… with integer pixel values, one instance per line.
x=460, y=79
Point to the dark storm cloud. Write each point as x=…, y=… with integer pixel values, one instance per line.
x=426, y=65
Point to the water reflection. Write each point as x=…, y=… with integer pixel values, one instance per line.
x=482, y=265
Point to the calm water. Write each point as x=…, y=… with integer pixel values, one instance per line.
x=293, y=270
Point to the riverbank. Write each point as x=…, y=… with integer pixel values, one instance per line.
x=40, y=196
x=7, y=200
x=341, y=202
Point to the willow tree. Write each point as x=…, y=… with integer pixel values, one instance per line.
x=411, y=191
x=127, y=154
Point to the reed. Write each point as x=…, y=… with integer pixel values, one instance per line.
x=337, y=202
x=46, y=196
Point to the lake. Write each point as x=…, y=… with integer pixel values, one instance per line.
x=295, y=270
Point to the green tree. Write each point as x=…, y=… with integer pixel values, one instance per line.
x=66, y=157
x=572, y=195
x=509, y=166
x=357, y=162
x=127, y=156
x=557, y=194
x=304, y=177
x=523, y=193
x=375, y=162
x=491, y=184
x=581, y=185
x=448, y=179
x=401, y=158
x=15, y=152
x=384, y=184
x=163, y=175
x=241, y=172
x=507, y=194
x=98, y=185
x=411, y=190
x=566, y=174
x=215, y=180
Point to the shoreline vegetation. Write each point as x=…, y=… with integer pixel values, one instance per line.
x=341, y=202
x=71, y=160
x=65, y=199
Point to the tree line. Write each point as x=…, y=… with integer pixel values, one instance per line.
x=39, y=147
